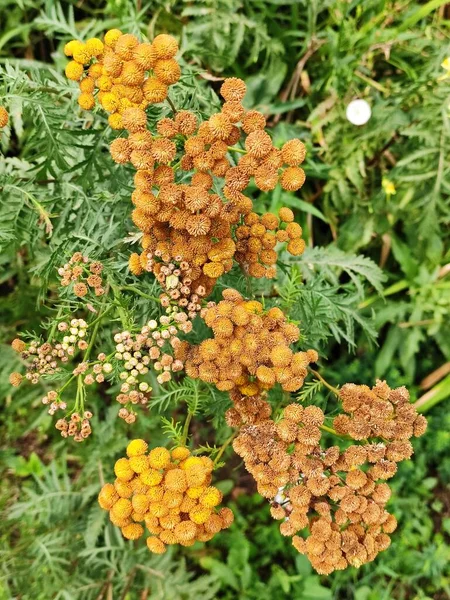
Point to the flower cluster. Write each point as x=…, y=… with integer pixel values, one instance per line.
x=188, y=226
x=378, y=412
x=337, y=495
x=84, y=274
x=44, y=359
x=119, y=69
x=4, y=117
x=175, y=280
x=153, y=345
x=197, y=220
x=170, y=492
x=77, y=426
x=249, y=349
x=258, y=236
x=48, y=358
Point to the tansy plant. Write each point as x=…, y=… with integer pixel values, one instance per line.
x=189, y=182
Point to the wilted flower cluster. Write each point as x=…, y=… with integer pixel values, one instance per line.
x=188, y=226
x=250, y=348
x=337, y=495
x=378, y=412
x=84, y=274
x=77, y=426
x=167, y=491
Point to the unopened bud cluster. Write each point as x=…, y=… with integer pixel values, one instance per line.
x=175, y=280
x=168, y=492
x=152, y=346
x=46, y=358
x=54, y=402
x=84, y=274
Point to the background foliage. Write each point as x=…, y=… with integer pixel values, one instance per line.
x=303, y=62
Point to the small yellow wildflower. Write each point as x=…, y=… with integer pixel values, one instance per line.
x=445, y=64
x=388, y=187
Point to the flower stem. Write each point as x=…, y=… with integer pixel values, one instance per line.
x=172, y=105
x=318, y=376
x=239, y=150
x=224, y=447
x=79, y=400
x=186, y=428
x=120, y=310
x=67, y=383
x=439, y=392
x=131, y=288
x=55, y=324
x=399, y=286
x=94, y=335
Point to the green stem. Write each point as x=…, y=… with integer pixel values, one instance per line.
x=406, y=324
x=100, y=317
x=234, y=149
x=186, y=428
x=248, y=281
x=439, y=392
x=172, y=105
x=67, y=383
x=318, y=376
x=393, y=289
x=330, y=430
x=372, y=82
x=44, y=215
x=93, y=336
x=122, y=313
x=55, y=324
x=224, y=447
x=79, y=400
x=96, y=324
x=131, y=288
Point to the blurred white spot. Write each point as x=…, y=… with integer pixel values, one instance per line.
x=358, y=112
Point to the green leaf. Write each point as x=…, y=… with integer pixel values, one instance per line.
x=420, y=13
x=297, y=203
x=221, y=571
x=333, y=262
x=315, y=591
x=95, y=523
x=405, y=258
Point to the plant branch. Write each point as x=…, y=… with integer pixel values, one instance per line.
x=55, y=324
x=131, y=288
x=224, y=447
x=318, y=376
x=186, y=428
x=239, y=150
x=172, y=106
